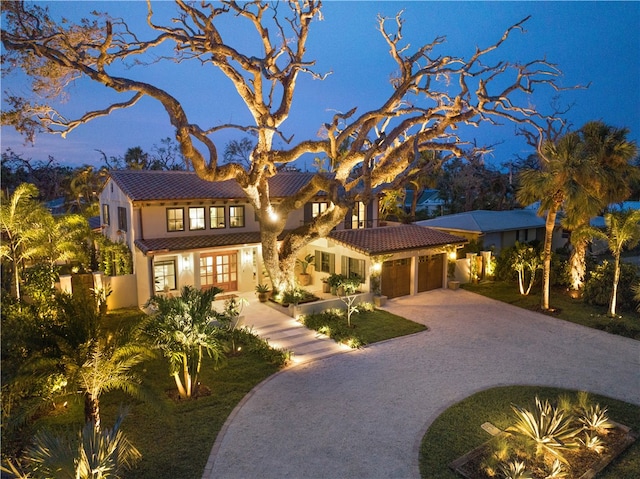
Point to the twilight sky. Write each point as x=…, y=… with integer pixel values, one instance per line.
x=596, y=42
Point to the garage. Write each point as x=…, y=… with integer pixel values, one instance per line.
x=396, y=278
x=430, y=272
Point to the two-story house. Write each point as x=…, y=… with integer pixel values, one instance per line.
x=183, y=230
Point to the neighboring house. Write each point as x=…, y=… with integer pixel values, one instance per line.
x=183, y=230
x=497, y=229
x=428, y=202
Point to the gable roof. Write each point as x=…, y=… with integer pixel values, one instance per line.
x=393, y=239
x=152, y=185
x=482, y=221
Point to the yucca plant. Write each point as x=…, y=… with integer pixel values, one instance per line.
x=547, y=427
x=515, y=470
x=592, y=442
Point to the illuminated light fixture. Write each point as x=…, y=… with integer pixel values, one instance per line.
x=186, y=263
x=376, y=267
x=273, y=216
x=453, y=256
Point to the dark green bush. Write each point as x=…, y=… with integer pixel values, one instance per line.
x=334, y=325
x=599, y=284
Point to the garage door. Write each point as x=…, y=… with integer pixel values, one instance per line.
x=430, y=272
x=396, y=278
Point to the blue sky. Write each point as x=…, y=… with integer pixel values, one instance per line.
x=591, y=42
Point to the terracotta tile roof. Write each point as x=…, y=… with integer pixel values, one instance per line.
x=150, y=185
x=186, y=243
x=392, y=239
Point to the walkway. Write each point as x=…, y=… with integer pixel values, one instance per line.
x=363, y=414
x=282, y=331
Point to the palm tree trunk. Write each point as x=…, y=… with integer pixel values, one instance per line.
x=577, y=264
x=614, y=291
x=92, y=410
x=546, y=271
x=181, y=391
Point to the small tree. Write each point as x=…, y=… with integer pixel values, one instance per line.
x=182, y=329
x=526, y=260
x=349, y=287
x=623, y=230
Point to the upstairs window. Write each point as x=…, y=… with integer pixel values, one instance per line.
x=122, y=219
x=175, y=219
x=236, y=216
x=216, y=217
x=196, y=218
x=318, y=208
x=358, y=213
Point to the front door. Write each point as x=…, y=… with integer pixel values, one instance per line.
x=219, y=269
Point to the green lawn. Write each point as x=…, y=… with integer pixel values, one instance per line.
x=565, y=307
x=366, y=327
x=457, y=430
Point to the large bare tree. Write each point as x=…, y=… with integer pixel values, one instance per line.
x=432, y=94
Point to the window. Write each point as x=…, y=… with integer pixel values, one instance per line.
x=358, y=215
x=352, y=267
x=216, y=217
x=164, y=275
x=175, y=219
x=105, y=215
x=122, y=218
x=236, y=216
x=196, y=218
x=325, y=262
x=318, y=208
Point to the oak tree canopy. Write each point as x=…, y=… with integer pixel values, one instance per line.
x=369, y=151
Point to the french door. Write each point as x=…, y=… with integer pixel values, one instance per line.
x=219, y=269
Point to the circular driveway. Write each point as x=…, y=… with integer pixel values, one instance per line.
x=363, y=414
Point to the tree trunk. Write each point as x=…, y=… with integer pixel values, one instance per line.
x=577, y=263
x=614, y=291
x=92, y=410
x=546, y=271
x=181, y=391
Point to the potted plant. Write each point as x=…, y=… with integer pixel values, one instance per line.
x=376, y=289
x=304, y=278
x=334, y=281
x=262, y=290
x=325, y=285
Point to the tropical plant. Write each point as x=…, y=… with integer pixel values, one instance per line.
x=181, y=328
x=305, y=262
x=592, y=441
x=636, y=295
x=262, y=288
x=83, y=357
x=599, y=285
x=595, y=418
x=623, y=230
x=95, y=454
x=547, y=427
x=557, y=471
x=565, y=179
x=525, y=259
x=515, y=470
x=20, y=216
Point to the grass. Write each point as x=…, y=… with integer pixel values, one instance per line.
x=175, y=438
x=366, y=327
x=565, y=307
x=457, y=430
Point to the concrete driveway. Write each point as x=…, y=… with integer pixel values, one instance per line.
x=363, y=414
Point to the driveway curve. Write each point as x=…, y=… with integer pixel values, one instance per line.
x=363, y=414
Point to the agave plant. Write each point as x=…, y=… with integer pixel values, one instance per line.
x=592, y=442
x=557, y=471
x=595, y=418
x=547, y=427
x=515, y=470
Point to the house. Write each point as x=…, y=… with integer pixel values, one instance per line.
x=429, y=202
x=183, y=230
x=497, y=229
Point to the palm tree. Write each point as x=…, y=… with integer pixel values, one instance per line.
x=97, y=454
x=20, y=220
x=610, y=154
x=182, y=329
x=61, y=239
x=623, y=230
x=565, y=179
x=89, y=359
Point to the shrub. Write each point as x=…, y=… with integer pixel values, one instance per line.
x=334, y=325
x=598, y=287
